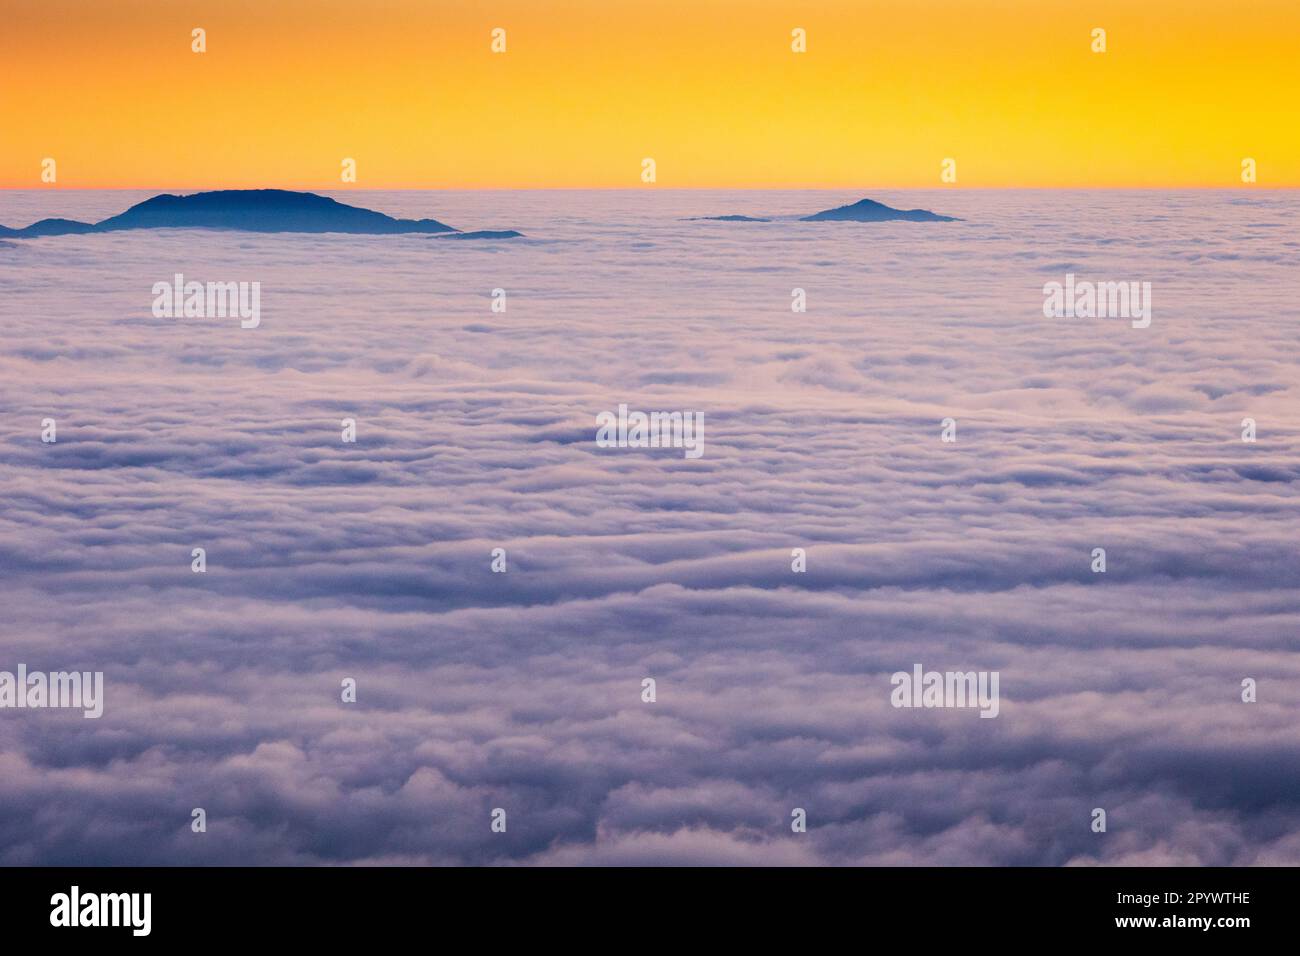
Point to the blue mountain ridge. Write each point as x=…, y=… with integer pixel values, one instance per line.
x=864, y=210
x=280, y=210
x=868, y=210
x=251, y=210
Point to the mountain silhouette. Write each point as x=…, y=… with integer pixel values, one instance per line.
x=249, y=210
x=868, y=210
x=483, y=234
x=281, y=210
x=864, y=210
x=732, y=218
x=48, y=227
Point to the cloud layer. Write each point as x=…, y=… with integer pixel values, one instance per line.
x=522, y=690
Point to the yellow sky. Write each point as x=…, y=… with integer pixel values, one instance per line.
x=1009, y=89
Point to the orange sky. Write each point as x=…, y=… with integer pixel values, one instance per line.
x=709, y=88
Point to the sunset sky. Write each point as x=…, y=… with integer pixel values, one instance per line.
x=709, y=88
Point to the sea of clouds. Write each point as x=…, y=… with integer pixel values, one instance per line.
x=522, y=690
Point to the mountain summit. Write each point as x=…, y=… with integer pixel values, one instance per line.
x=262, y=210
x=250, y=210
x=868, y=210
x=864, y=210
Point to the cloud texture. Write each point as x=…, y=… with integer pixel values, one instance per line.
x=522, y=690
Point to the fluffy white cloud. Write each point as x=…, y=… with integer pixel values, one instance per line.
x=522, y=690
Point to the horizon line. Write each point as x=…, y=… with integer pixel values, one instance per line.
x=947, y=187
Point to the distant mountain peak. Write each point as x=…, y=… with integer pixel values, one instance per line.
x=249, y=210
x=864, y=210
x=868, y=210
x=262, y=210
